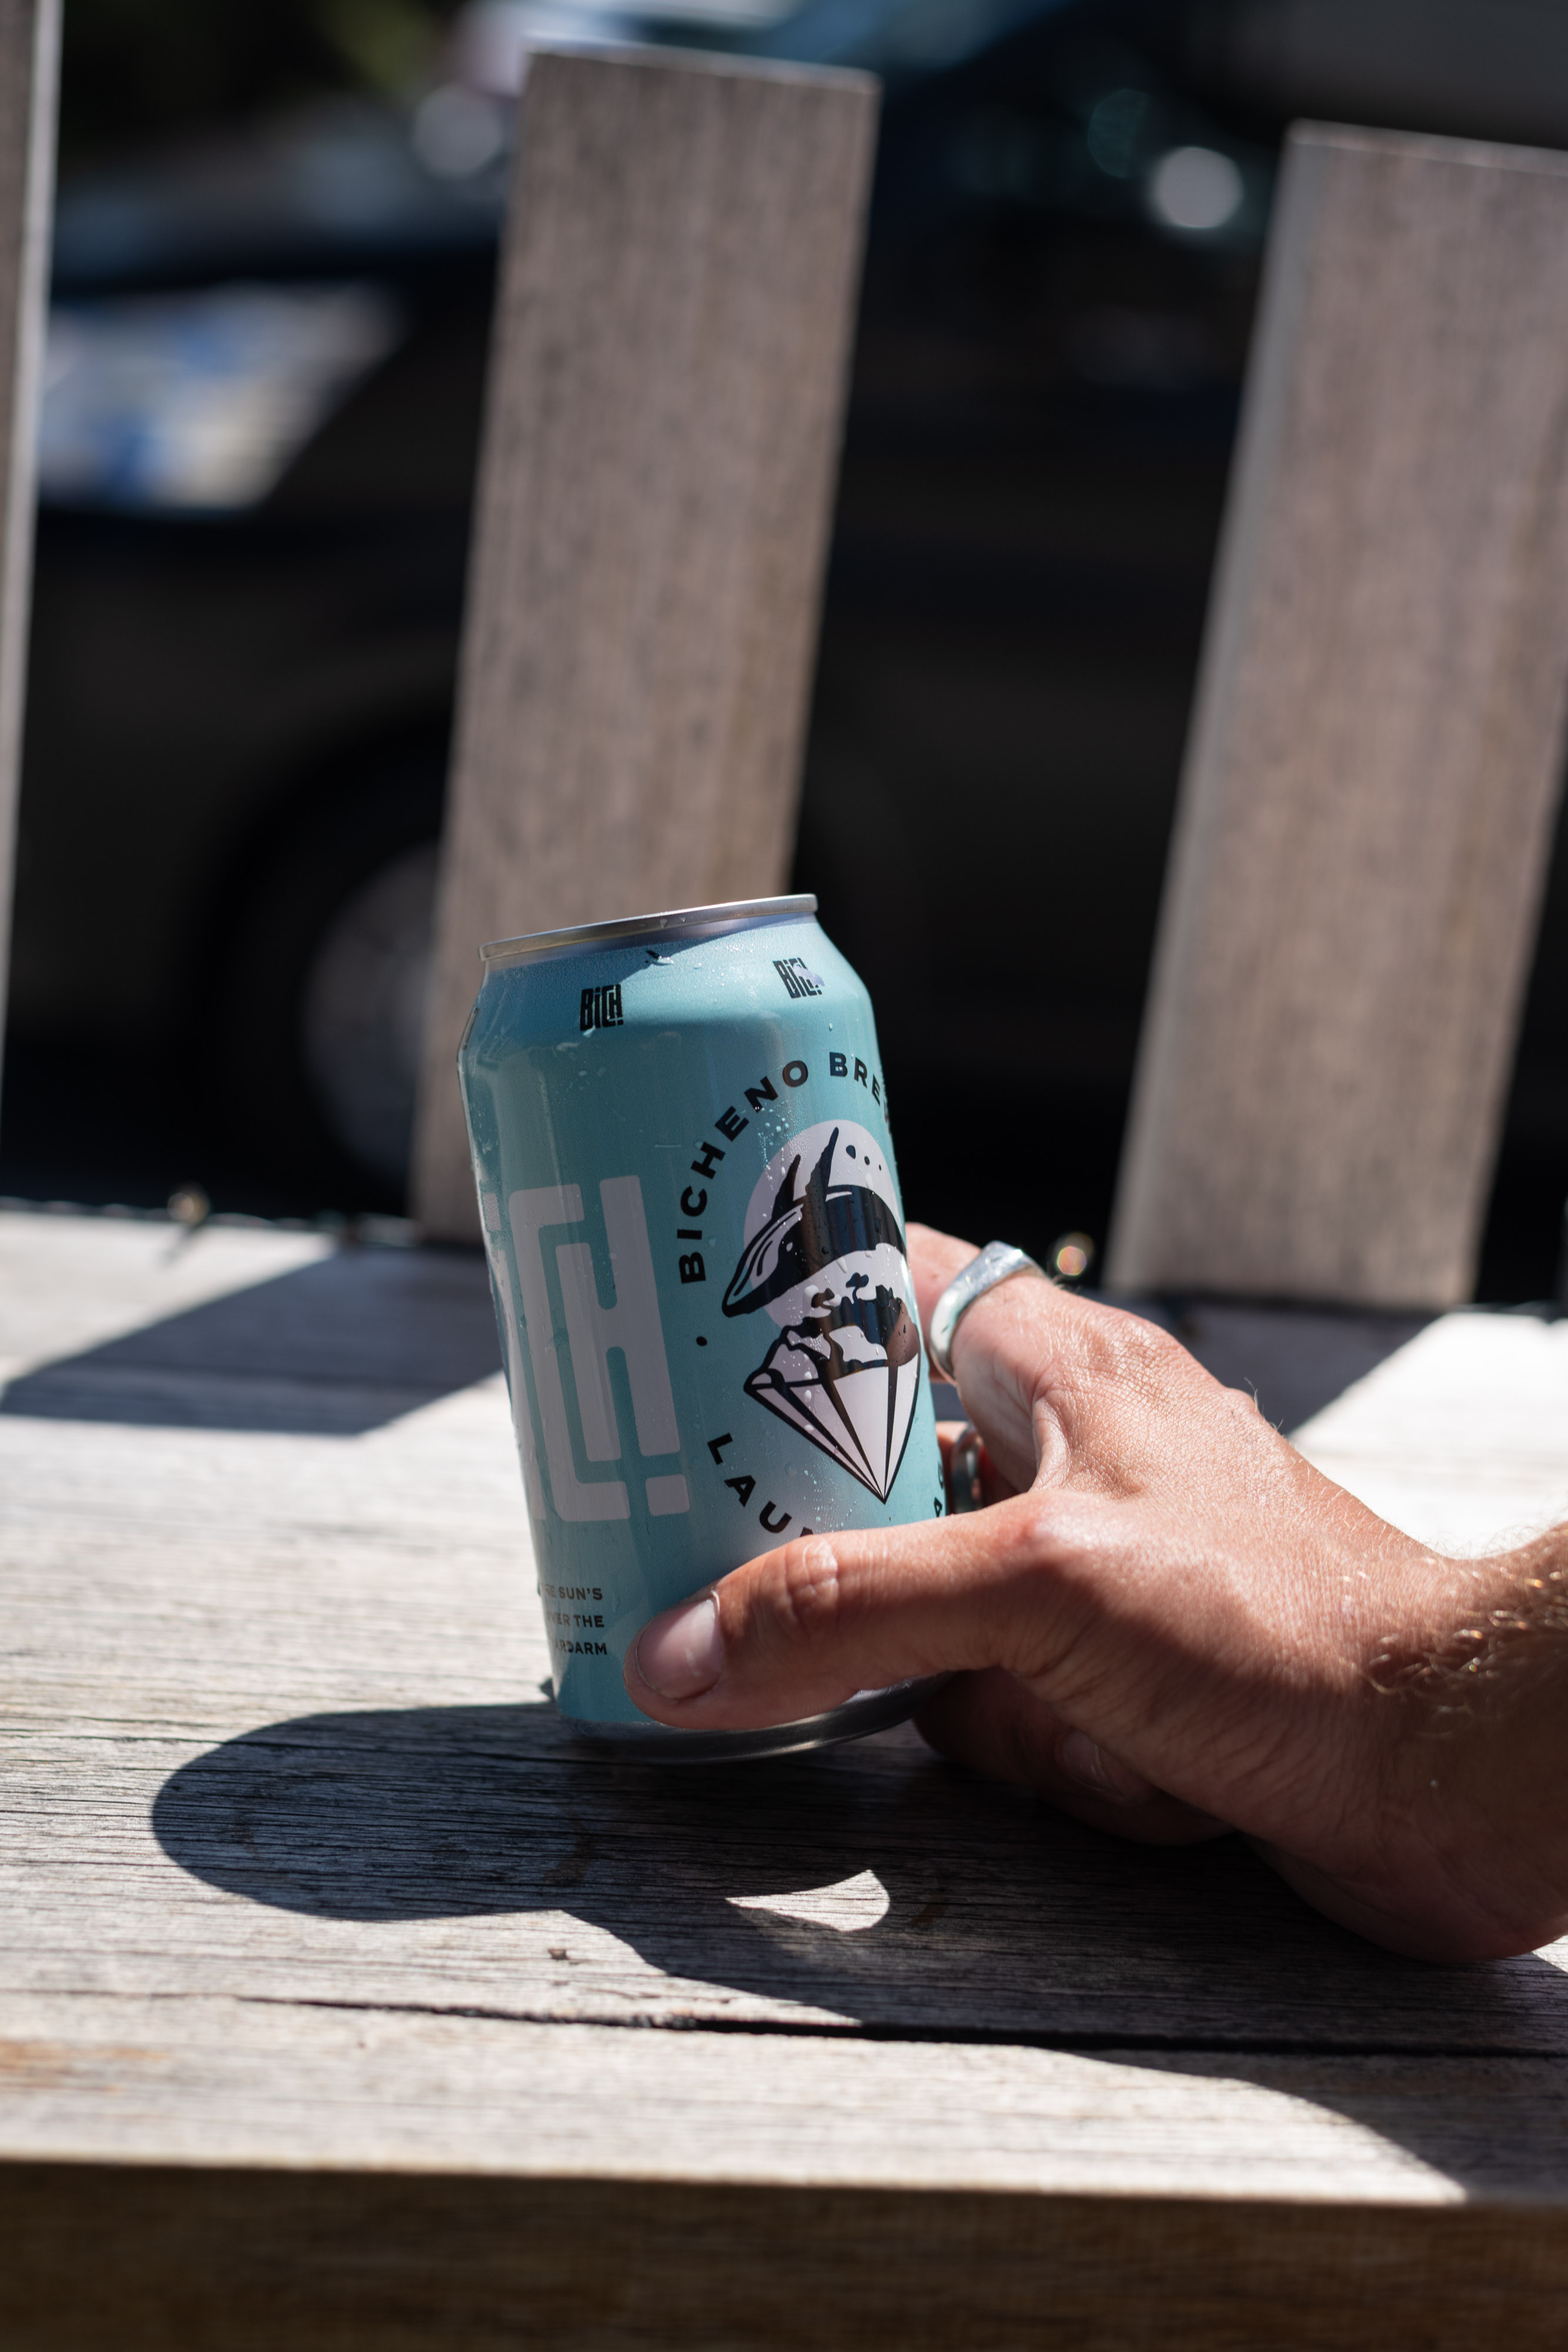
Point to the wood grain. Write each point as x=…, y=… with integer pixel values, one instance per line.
x=330, y=2263
x=29, y=68
x=220, y=2079
x=1375, y=754
x=665, y=409
x=275, y=1722
x=332, y=1969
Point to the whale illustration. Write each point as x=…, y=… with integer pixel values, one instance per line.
x=808, y=1232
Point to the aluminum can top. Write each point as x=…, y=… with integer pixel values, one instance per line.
x=675, y=923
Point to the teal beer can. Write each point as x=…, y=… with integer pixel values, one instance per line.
x=686, y=1185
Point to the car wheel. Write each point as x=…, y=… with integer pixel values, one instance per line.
x=319, y=971
x=362, y=1012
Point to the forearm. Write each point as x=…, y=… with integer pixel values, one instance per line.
x=1471, y=1813
x=1494, y=1699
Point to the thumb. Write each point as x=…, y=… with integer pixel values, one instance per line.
x=799, y=1631
x=802, y=1628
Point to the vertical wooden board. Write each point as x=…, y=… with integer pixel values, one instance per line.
x=30, y=72
x=664, y=408
x=1374, y=761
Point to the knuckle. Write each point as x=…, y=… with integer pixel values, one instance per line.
x=1128, y=1349
x=808, y=1590
x=1245, y=1406
x=1152, y=1345
x=1035, y=1529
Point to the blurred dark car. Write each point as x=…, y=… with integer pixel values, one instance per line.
x=266, y=381
x=261, y=411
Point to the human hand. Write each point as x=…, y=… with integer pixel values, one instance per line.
x=1170, y=1623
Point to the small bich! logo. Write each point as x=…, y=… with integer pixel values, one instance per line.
x=600, y=1009
x=800, y=981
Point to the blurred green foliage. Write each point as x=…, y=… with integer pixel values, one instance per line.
x=136, y=72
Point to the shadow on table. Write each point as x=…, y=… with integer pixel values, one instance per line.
x=1004, y=1920
x=362, y=1337
x=331, y=1350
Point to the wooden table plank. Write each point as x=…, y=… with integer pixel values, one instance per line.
x=70, y=1282
x=281, y=1726
x=216, y=2080
x=327, y=2261
x=297, y=1869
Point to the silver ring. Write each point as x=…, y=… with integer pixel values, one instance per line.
x=997, y=1262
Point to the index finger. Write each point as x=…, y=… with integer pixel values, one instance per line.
x=1039, y=1369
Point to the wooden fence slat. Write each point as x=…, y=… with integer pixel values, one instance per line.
x=1374, y=756
x=29, y=75
x=665, y=397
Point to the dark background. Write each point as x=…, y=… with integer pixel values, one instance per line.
x=237, y=717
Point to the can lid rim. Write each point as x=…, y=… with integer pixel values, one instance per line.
x=734, y=914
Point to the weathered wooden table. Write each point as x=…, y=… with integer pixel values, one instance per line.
x=348, y=2001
